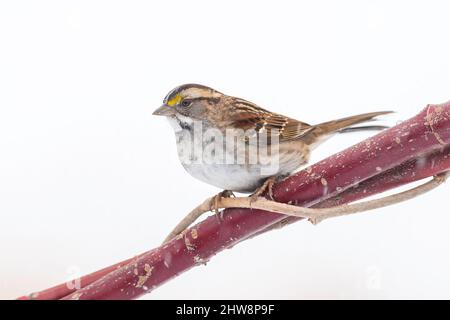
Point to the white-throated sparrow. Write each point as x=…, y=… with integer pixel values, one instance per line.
x=234, y=144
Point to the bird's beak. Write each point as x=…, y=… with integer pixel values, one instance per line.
x=164, y=110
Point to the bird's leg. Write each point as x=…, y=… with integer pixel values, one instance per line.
x=266, y=186
x=214, y=204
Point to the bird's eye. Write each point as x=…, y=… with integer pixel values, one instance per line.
x=186, y=103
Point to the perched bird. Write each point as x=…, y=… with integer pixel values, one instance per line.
x=264, y=145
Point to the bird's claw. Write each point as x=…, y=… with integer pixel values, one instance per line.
x=214, y=204
x=266, y=187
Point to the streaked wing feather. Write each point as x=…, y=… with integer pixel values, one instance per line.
x=248, y=115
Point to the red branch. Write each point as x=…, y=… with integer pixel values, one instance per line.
x=413, y=150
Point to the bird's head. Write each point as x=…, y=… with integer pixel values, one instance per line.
x=189, y=100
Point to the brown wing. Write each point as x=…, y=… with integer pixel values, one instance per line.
x=247, y=115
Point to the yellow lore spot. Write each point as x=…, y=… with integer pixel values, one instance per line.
x=175, y=100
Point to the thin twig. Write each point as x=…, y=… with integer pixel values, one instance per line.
x=315, y=215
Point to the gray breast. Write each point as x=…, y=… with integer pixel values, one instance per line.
x=231, y=168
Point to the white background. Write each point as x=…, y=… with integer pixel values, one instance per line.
x=89, y=177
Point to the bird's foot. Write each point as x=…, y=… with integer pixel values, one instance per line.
x=266, y=187
x=214, y=204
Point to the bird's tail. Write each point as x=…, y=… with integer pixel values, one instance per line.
x=322, y=131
